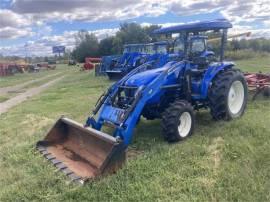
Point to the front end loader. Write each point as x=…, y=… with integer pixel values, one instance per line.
x=81, y=153
x=170, y=93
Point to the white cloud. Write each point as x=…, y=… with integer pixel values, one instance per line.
x=43, y=46
x=43, y=31
x=23, y=13
x=267, y=23
x=13, y=25
x=234, y=10
x=11, y=19
x=247, y=11
x=12, y=33
x=94, y=10
x=103, y=33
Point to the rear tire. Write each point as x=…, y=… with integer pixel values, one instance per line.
x=228, y=95
x=178, y=121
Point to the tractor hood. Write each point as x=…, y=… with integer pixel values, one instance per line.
x=146, y=77
x=143, y=78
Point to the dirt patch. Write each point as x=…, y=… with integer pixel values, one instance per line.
x=133, y=153
x=17, y=88
x=215, y=151
x=5, y=106
x=206, y=182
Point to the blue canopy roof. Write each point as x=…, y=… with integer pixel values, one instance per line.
x=197, y=26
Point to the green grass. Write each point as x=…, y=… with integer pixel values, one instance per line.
x=43, y=81
x=21, y=78
x=3, y=98
x=255, y=64
x=12, y=94
x=222, y=161
x=245, y=55
x=50, y=75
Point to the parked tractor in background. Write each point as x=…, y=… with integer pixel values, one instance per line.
x=105, y=64
x=155, y=53
x=133, y=56
x=149, y=53
x=172, y=93
x=162, y=52
x=158, y=53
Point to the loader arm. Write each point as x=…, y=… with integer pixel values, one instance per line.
x=125, y=120
x=112, y=90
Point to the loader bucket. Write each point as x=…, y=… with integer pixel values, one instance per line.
x=81, y=153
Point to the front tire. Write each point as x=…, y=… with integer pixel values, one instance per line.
x=228, y=95
x=178, y=121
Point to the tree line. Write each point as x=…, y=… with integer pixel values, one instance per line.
x=260, y=44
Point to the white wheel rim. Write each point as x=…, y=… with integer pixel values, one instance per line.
x=236, y=97
x=185, y=124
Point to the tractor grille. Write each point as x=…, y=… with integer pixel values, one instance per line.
x=125, y=96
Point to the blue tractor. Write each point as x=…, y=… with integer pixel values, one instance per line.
x=111, y=64
x=116, y=66
x=171, y=93
x=158, y=53
x=133, y=56
x=106, y=63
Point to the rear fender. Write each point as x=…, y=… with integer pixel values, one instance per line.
x=210, y=74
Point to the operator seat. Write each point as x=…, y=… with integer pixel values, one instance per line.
x=200, y=64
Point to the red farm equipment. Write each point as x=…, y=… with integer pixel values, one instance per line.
x=90, y=63
x=5, y=70
x=10, y=68
x=258, y=83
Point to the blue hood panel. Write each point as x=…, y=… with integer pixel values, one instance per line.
x=146, y=77
x=143, y=78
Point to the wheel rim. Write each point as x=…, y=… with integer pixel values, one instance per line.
x=236, y=97
x=185, y=124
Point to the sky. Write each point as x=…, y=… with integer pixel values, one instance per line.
x=32, y=27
